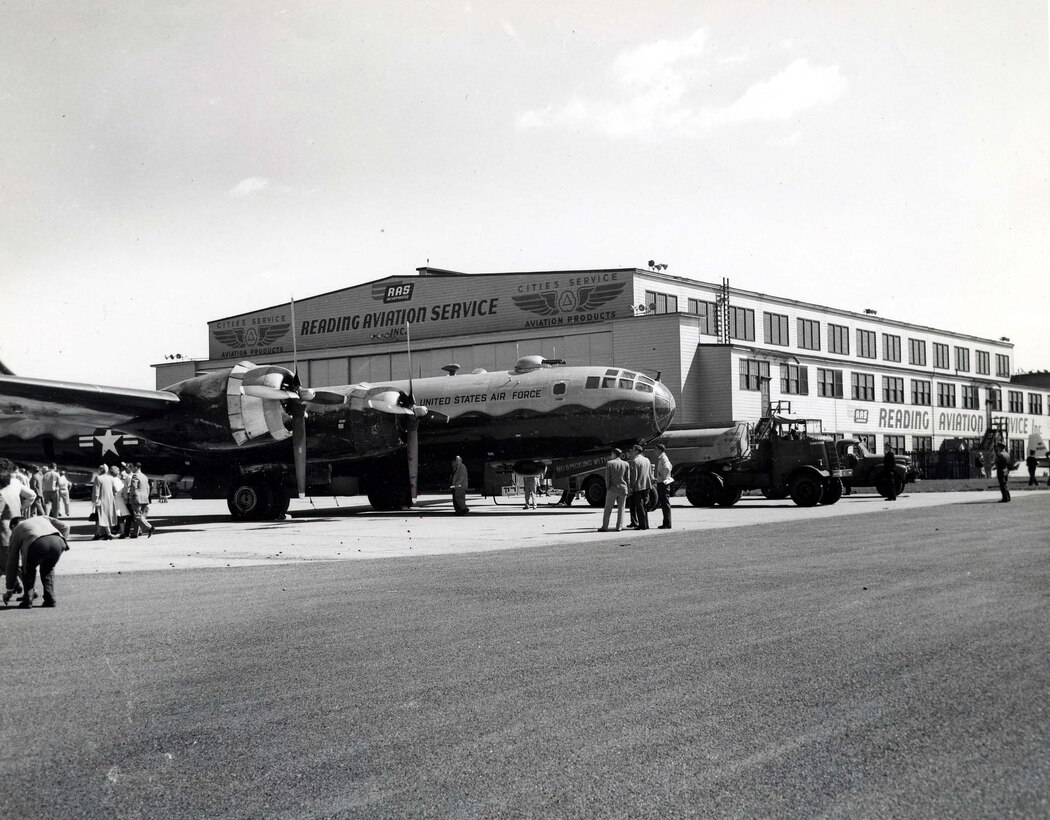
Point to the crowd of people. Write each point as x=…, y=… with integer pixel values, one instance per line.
x=33, y=535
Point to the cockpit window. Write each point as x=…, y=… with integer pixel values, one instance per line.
x=592, y=382
x=642, y=387
x=612, y=372
x=647, y=380
x=625, y=384
x=627, y=374
x=609, y=381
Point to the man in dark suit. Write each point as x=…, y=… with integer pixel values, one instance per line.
x=889, y=467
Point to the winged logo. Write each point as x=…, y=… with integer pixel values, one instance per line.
x=244, y=337
x=551, y=302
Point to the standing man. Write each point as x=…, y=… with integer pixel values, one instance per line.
x=663, y=485
x=889, y=467
x=1002, y=470
x=138, y=501
x=63, y=485
x=641, y=482
x=37, y=542
x=36, y=484
x=1032, y=463
x=49, y=483
x=529, y=482
x=616, y=472
x=458, y=483
x=104, y=504
x=14, y=495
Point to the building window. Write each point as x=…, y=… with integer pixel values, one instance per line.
x=924, y=443
x=1017, y=452
x=962, y=360
x=1035, y=404
x=1002, y=365
x=794, y=379
x=983, y=360
x=661, y=302
x=917, y=352
x=945, y=394
x=995, y=398
x=940, y=355
x=706, y=312
x=864, y=386
x=838, y=339
x=971, y=397
x=829, y=383
x=867, y=439
x=742, y=324
x=896, y=442
x=1015, y=401
x=753, y=373
x=891, y=347
x=809, y=334
x=866, y=344
x=893, y=389
x=920, y=392
x=776, y=327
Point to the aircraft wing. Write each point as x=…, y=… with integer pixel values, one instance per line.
x=35, y=407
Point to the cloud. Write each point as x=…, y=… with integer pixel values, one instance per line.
x=250, y=186
x=658, y=88
x=798, y=87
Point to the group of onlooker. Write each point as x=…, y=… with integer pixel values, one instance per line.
x=50, y=488
x=630, y=480
x=120, y=502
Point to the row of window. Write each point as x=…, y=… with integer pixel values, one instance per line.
x=794, y=380
x=925, y=443
x=776, y=332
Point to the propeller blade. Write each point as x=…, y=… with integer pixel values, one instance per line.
x=412, y=452
x=299, y=447
x=262, y=391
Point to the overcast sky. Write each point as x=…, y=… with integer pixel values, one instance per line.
x=164, y=164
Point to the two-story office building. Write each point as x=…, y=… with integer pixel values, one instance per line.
x=724, y=352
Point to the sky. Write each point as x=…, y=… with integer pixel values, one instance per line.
x=165, y=164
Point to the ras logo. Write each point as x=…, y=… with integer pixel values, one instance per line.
x=256, y=336
x=860, y=416
x=393, y=293
x=551, y=302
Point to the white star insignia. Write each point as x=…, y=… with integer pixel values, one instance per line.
x=109, y=440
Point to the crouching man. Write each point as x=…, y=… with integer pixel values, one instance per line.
x=36, y=542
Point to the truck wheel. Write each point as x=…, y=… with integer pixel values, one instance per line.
x=881, y=483
x=729, y=496
x=832, y=492
x=594, y=491
x=806, y=491
x=774, y=495
x=703, y=490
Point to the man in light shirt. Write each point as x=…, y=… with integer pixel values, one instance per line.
x=35, y=542
x=14, y=495
x=49, y=485
x=663, y=485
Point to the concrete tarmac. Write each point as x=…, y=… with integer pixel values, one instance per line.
x=863, y=660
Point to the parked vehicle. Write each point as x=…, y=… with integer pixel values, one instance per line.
x=869, y=469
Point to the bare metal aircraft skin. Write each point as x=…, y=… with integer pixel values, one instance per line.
x=247, y=431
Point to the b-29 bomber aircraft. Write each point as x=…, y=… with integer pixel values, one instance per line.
x=249, y=431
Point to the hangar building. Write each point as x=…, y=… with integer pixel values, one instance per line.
x=723, y=352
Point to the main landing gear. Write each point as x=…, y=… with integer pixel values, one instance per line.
x=257, y=499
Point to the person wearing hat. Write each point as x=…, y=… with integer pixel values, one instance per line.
x=616, y=472
x=663, y=485
x=1032, y=462
x=1002, y=470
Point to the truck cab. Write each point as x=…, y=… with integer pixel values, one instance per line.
x=869, y=469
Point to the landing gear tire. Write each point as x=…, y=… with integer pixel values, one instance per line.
x=882, y=488
x=594, y=491
x=774, y=495
x=387, y=499
x=250, y=500
x=703, y=490
x=806, y=491
x=832, y=492
x=729, y=496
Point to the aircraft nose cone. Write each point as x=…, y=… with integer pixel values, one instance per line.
x=663, y=407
